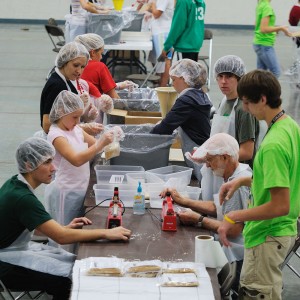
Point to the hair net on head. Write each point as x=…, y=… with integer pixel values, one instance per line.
x=65, y=103
x=219, y=144
x=91, y=41
x=69, y=52
x=32, y=153
x=193, y=73
x=230, y=64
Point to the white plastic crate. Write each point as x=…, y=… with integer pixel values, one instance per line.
x=115, y=174
x=183, y=174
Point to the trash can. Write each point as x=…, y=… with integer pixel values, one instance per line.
x=142, y=148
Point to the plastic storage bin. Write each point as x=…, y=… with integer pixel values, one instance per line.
x=115, y=174
x=183, y=174
x=106, y=191
x=143, y=177
x=140, y=99
x=141, y=148
x=136, y=23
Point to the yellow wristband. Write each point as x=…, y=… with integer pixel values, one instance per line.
x=226, y=218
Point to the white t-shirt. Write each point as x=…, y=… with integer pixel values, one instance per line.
x=163, y=23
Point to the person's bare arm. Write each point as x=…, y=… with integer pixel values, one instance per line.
x=113, y=94
x=88, y=6
x=65, y=235
x=278, y=206
x=46, y=123
x=265, y=28
x=246, y=150
x=155, y=12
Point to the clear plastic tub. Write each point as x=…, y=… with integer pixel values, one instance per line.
x=143, y=177
x=183, y=174
x=106, y=191
x=115, y=174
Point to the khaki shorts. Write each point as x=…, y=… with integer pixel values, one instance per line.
x=261, y=276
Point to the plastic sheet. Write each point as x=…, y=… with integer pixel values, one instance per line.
x=139, y=99
x=109, y=25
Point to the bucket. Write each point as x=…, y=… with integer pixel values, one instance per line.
x=167, y=97
x=118, y=4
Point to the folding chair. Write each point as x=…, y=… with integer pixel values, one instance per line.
x=208, y=36
x=8, y=293
x=226, y=278
x=55, y=32
x=293, y=252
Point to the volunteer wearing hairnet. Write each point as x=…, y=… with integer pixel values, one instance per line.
x=191, y=111
x=25, y=264
x=70, y=62
x=231, y=118
x=96, y=71
x=220, y=153
x=64, y=196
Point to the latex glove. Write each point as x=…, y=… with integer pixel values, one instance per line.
x=105, y=139
x=142, y=1
x=105, y=104
x=92, y=128
x=89, y=114
x=127, y=84
x=85, y=98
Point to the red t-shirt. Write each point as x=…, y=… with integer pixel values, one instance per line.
x=294, y=15
x=97, y=73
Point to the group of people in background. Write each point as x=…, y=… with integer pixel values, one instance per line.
x=246, y=158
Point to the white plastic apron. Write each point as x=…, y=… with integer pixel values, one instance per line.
x=65, y=195
x=236, y=251
x=37, y=256
x=211, y=184
x=187, y=145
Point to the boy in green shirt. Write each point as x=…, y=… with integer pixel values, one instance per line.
x=271, y=219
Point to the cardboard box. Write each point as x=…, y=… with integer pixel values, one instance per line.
x=119, y=116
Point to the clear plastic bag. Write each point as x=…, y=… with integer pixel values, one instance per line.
x=113, y=149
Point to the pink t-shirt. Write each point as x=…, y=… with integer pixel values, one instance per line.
x=74, y=137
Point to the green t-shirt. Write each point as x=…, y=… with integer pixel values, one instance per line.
x=19, y=210
x=276, y=164
x=264, y=9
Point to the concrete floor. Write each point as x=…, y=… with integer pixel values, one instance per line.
x=26, y=56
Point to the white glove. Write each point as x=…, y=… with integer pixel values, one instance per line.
x=105, y=139
x=90, y=113
x=92, y=128
x=105, y=104
x=127, y=84
x=85, y=98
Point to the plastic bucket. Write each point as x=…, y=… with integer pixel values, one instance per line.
x=167, y=97
x=118, y=4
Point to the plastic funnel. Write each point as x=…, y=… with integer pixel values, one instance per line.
x=167, y=97
x=118, y=4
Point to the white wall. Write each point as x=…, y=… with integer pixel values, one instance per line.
x=237, y=12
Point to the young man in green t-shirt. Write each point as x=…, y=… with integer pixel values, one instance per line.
x=271, y=219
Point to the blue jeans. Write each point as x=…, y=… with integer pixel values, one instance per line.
x=267, y=59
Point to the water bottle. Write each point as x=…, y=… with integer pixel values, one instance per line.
x=139, y=201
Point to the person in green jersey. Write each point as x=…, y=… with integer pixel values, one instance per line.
x=264, y=37
x=274, y=207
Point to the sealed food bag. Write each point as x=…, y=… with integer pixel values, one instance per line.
x=178, y=267
x=147, y=268
x=179, y=280
x=104, y=266
x=113, y=149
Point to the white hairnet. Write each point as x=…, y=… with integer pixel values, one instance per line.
x=32, y=153
x=219, y=144
x=91, y=41
x=65, y=103
x=193, y=73
x=230, y=64
x=69, y=52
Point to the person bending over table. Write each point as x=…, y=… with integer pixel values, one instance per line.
x=191, y=111
x=35, y=266
x=70, y=62
x=96, y=71
x=221, y=155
